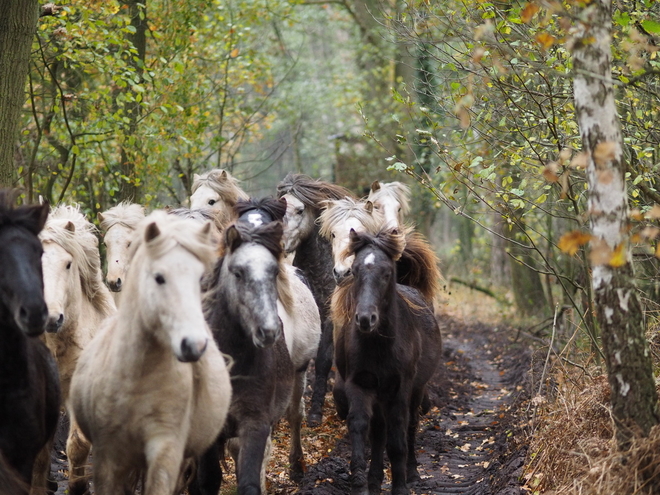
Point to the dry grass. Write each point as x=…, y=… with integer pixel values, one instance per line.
x=573, y=450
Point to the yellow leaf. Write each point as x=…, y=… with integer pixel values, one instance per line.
x=618, y=257
x=571, y=241
x=550, y=172
x=546, y=40
x=234, y=53
x=528, y=12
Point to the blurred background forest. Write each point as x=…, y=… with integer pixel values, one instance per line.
x=470, y=103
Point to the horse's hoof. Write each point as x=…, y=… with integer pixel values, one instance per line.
x=314, y=419
x=296, y=473
x=412, y=475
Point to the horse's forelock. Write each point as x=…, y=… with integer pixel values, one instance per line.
x=338, y=211
x=128, y=214
x=228, y=188
x=276, y=208
x=397, y=189
x=391, y=242
x=312, y=192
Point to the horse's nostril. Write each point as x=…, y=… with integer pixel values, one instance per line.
x=60, y=320
x=119, y=283
x=23, y=314
x=373, y=319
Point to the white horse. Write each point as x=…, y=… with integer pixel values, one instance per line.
x=78, y=301
x=152, y=390
x=218, y=190
x=118, y=224
x=392, y=200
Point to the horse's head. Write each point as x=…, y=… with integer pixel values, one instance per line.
x=21, y=284
x=216, y=190
x=299, y=222
x=163, y=281
x=119, y=224
x=374, y=274
x=249, y=278
x=337, y=221
x=392, y=201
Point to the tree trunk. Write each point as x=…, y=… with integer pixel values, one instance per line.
x=628, y=360
x=129, y=189
x=18, y=23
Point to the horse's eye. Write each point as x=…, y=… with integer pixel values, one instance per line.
x=332, y=235
x=68, y=265
x=129, y=244
x=160, y=280
x=237, y=274
x=299, y=212
x=211, y=202
x=399, y=209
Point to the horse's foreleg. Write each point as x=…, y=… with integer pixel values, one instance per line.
x=322, y=365
x=378, y=436
x=397, y=427
x=254, y=438
x=164, y=458
x=41, y=470
x=107, y=479
x=294, y=417
x=77, y=451
x=360, y=410
x=413, y=423
x=339, y=395
x=208, y=478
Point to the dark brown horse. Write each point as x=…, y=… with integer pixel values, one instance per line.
x=386, y=351
x=313, y=256
x=29, y=384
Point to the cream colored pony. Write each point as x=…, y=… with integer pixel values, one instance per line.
x=78, y=301
x=152, y=389
x=118, y=224
x=217, y=190
x=392, y=201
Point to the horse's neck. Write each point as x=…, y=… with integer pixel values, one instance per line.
x=13, y=355
x=314, y=259
x=229, y=334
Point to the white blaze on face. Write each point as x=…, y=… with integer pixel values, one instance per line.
x=369, y=259
x=58, y=273
x=340, y=243
x=117, y=241
x=255, y=219
x=389, y=208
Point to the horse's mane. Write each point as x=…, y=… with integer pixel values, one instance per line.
x=399, y=190
x=276, y=208
x=268, y=235
x=200, y=215
x=339, y=210
x=391, y=242
x=312, y=192
x=125, y=213
x=83, y=245
x=174, y=230
x=223, y=183
x=418, y=265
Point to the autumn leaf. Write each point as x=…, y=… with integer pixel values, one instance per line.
x=550, y=172
x=581, y=160
x=635, y=214
x=650, y=233
x=657, y=250
x=571, y=241
x=546, y=40
x=528, y=12
x=618, y=257
x=234, y=53
x=604, y=153
x=653, y=213
x=463, y=117
x=565, y=155
x=478, y=54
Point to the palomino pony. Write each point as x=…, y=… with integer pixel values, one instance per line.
x=29, y=386
x=313, y=256
x=218, y=190
x=392, y=201
x=418, y=265
x=386, y=351
x=78, y=301
x=119, y=224
x=152, y=390
x=247, y=319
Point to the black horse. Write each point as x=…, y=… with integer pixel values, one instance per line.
x=314, y=259
x=29, y=383
x=241, y=308
x=386, y=352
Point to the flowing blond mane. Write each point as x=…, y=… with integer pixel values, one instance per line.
x=174, y=231
x=223, y=183
x=127, y=214
x=397, y=190
x=83, y=245
x=338, y=211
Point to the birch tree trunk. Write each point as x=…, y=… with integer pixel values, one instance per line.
x=18, y=23
x=619, y=314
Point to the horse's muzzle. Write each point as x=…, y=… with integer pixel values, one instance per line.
x=366, y=322
x=32, y=320
x=54, y=323
x=191, y=350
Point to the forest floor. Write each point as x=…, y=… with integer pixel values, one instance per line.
x=470, y=442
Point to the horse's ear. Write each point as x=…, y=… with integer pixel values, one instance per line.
x=352, y=235
x=204, y=234
x=100, y=217
x=35, y=217
x=283, y=201
x=151, y=232
x=375, y=186
x=369, y=206
x=223, y=175
x=196, y=177
x=70, y=226
x=232, y=238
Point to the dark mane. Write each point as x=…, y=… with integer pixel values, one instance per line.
x=418, y=266
x=276, y=208
x=390, y=242
x=311, y=191
x=268, y=235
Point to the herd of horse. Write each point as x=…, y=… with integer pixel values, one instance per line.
x=198, y=340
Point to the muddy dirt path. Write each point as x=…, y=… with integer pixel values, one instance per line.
x=464, y=443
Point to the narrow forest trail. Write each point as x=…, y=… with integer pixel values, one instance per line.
x=463, y=443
